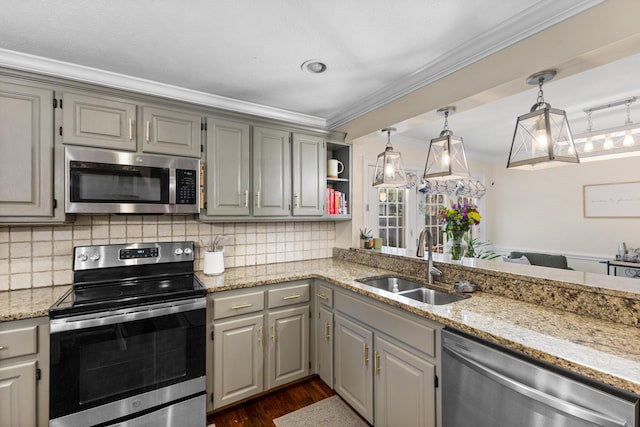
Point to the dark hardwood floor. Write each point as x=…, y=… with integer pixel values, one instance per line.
x=262, y=410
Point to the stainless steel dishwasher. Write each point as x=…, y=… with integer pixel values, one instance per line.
x=487, y=386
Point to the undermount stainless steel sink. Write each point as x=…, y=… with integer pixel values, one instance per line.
x=411, y=289
x=431, y=296
x=391, y=284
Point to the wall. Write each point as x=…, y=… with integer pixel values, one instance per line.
x=37, y=256
x=543, y=211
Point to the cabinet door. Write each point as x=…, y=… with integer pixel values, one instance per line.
x=288, y=357
x=18, y=395
x=237, y=359
x=405, y=387
x=101, y=122
x=26, y=151
x=324, y=345
x=271, y=172
x=171, y=132
x=353, y=365
x=227, y=168
x=308, y=165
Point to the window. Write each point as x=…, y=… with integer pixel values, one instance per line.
x=391, y=217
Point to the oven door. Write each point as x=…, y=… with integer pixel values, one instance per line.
x=106, y=367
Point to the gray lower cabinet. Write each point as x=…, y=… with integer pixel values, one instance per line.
x=24, y=367
x=308, y=171
x=27, y=154
x=238, y=359
x=271, y=172
x=386, y=362
x=288, y=357
x=324, y=333
x=260, y=340
x=353, y=365
x=405, y=393
x=99, y=121
x=228, y=168
x=174, y=132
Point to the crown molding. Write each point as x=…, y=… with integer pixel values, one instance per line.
x=50, y=67
x=541, y=16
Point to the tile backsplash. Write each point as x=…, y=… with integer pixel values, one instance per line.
x=38, y=256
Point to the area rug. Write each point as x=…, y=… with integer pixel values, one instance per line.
x=329, y=412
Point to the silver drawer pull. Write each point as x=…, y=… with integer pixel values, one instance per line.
x=291, y=297
x=323, y=297
x=236, y=307
x=3, y=347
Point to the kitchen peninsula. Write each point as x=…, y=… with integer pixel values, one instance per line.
x=525, y=309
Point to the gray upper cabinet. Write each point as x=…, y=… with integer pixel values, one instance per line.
x=171, y=132
x=271, y=172
x=26, y=153
x=98, y=121
x=228, y=165
x=308, y=169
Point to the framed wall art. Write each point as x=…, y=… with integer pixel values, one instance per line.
x=613, y=200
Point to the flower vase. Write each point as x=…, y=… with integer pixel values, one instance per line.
x=457, y=247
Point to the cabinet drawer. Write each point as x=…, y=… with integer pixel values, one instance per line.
x=290, y=295
x=236, y=304
x=324, y=295
x=18, y=342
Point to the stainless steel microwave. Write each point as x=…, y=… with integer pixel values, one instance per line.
x=103, y=181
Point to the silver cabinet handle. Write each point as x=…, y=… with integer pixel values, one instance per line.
x=376, y=362
x=246, y=198
x=537, y=395
x=273, y=332
x=327, y=335
x=148, y=130
x=237, y=307
x=257, y=199
x=296, y=200
x=323, y=297
x=291, y=297
x=260, y=335
x=130, y=129
x=2, y=347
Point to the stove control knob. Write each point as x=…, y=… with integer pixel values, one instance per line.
x=95, y=257
x=187, y=251
x=178, y=251
x=82, y=257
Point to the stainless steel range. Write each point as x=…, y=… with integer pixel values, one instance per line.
x=128, y=340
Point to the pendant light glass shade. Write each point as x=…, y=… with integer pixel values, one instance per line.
x=446, y=158
x=542, y=137
x=389, y=172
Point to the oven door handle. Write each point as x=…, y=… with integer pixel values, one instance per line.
x=124, y=315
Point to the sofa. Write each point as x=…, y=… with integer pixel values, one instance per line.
x=545, y=260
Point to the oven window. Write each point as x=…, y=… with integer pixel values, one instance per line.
x=105, y=183
x=125, y=360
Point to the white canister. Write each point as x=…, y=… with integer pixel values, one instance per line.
x=334, y=168
x=213, y=263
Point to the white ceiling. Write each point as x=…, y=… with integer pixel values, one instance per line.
x=251, y=51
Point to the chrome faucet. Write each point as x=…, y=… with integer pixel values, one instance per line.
x=431, y=270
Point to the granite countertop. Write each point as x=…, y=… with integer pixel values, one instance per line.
x=600, y=349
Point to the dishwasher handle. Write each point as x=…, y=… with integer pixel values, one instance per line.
x=537, y=395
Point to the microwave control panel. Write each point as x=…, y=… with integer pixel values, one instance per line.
x=186, y=187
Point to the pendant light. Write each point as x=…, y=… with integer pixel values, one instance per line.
x=389, y=171
x=446, y=158
x=542, y=137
